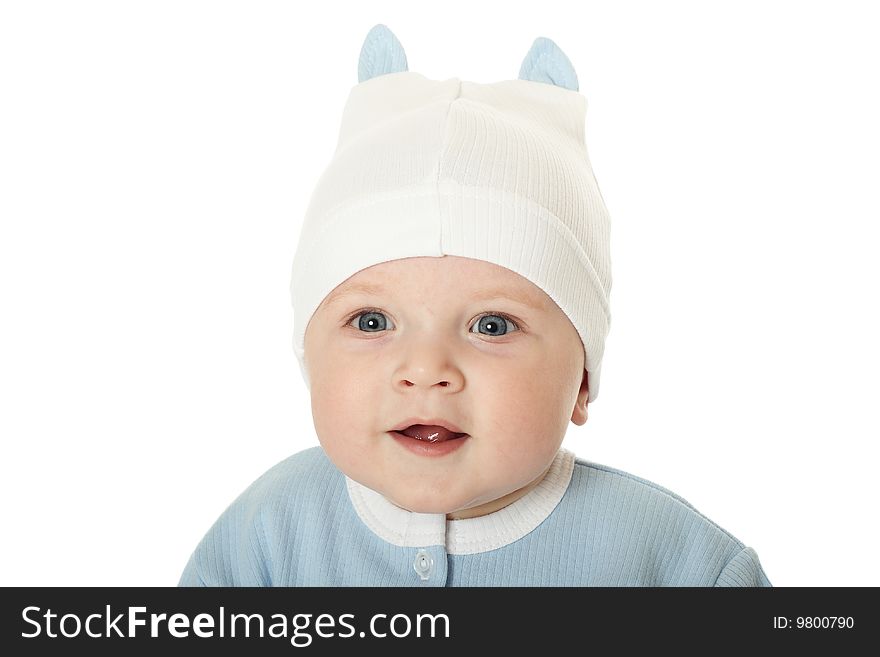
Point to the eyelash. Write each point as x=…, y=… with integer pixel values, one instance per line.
x=518, y=324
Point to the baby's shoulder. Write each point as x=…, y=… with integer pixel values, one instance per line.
x=295, y=479
x=304, y=462
x=599, y=475
x=615, y=490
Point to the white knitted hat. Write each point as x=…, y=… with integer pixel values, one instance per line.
x=496, y=172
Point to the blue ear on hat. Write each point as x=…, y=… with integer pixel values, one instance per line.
x=545, y=62
x=380, y=54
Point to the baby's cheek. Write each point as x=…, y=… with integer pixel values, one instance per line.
x=345, y=448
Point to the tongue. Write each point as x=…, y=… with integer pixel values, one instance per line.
x=429, y=433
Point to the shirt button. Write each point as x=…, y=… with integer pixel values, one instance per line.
x=423, y=564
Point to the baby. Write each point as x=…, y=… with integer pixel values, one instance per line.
x=450, y=293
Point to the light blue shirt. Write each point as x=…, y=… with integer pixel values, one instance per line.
x=304, y=523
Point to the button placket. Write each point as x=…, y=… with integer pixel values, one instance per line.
x=423, y=564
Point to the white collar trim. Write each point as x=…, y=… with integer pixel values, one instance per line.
x=469, y=535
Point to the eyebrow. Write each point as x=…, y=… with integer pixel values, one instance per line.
x=483, y=295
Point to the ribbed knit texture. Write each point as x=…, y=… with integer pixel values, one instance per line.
x=496, y=172
x=296, y=526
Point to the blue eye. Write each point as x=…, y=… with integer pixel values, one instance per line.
x=495, y=323
x=375, y=321
x=370, y=321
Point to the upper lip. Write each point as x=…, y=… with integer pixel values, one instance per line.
x=436, y=422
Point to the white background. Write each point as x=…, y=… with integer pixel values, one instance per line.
x=156, y=159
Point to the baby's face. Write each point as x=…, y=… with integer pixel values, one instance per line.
x=447, y=338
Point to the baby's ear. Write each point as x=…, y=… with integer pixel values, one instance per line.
x=579, y=413
x=380, y=54
x=545, y=62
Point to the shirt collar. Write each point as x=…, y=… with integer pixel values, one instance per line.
x=469, y=535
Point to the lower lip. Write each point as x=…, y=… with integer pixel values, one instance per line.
x=424, y=448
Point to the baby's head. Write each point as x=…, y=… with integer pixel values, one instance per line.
x=453, y=270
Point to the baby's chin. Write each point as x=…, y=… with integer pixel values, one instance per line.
x=420, y=508
x=419, y=505
x=432, y=504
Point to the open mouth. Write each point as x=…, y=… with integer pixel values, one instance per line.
x=430, y=433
